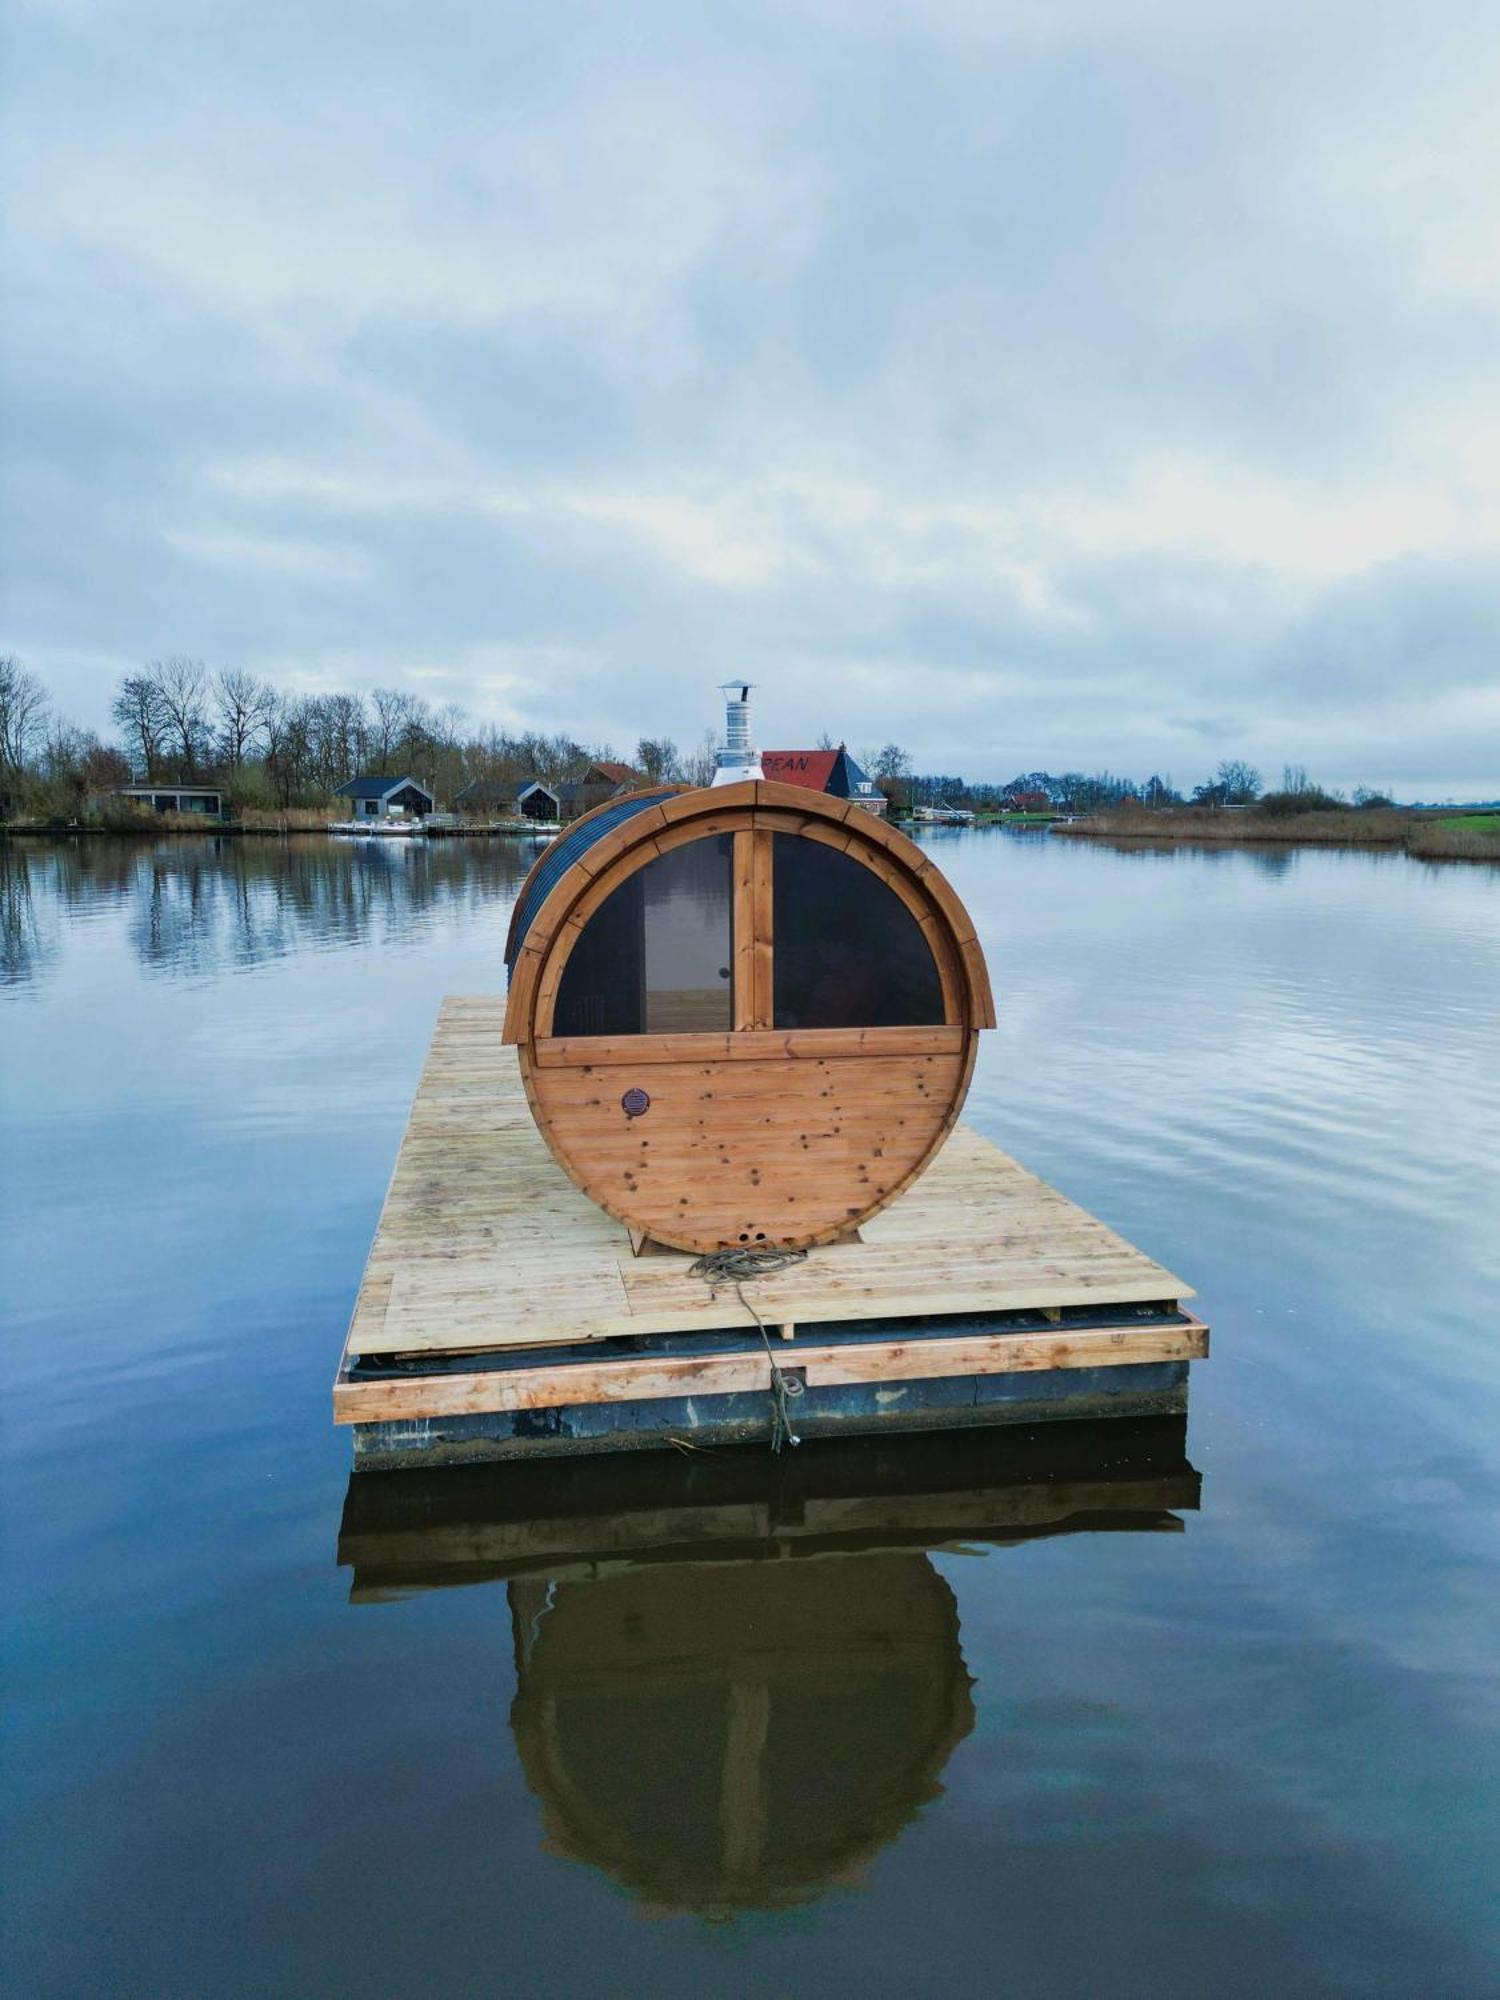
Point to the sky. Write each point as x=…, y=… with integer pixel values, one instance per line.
x=1073, y=384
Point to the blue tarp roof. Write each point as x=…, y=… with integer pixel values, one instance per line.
x=566, y=849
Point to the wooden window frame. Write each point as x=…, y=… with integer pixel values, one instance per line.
x=752, y=959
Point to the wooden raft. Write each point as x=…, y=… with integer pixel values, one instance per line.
x=484, y=1244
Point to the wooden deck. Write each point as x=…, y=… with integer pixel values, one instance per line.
x=485, y=1248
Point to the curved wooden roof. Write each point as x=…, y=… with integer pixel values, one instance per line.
x=664, y=818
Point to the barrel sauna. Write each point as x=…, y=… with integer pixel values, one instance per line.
x=746, y=1016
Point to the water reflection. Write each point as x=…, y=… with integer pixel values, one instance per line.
x=739, y=1677
x=28, y=937
x=212, y=904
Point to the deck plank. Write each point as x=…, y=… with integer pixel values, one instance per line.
x=485, y=1243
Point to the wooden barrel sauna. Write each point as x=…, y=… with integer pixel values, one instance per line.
x=746, y=1015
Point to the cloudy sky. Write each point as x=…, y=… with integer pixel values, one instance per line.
x=1075, y=383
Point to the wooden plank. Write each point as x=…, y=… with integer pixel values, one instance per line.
x=744, y=961
x=557, y=1385
x=479, y=1217
x=776, y=1044
x=762, y=1011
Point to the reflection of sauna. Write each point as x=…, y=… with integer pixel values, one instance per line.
x=746, y=1015
x=718, y=1735
x=738, y=1677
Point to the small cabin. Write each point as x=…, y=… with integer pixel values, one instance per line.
x=376, y=797
x=745, y=1015
x=603, y=780
x=509, y=798
x=201, y=801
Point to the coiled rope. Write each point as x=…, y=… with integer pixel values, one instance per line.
x=734, y=1267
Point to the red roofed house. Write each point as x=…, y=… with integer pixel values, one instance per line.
x=834, y=772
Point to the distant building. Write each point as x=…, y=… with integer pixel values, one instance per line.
x=531, y=798
x=833, y=772
x=489, y=798
x=601, y=782
x=535, y=800
x=204, y=800
x=508, y=798
x=376, y=797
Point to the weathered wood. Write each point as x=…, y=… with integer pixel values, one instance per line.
x=548, y=1386
x=585, y=1052
x=762, y=917
x=744, y=1152
x=484, y=1243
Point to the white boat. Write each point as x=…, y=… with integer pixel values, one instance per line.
x=944, y=816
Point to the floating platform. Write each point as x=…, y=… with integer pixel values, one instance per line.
x=503, y=1315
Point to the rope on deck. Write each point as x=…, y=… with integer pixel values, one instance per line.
x=735, y=1267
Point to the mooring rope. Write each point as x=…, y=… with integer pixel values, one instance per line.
x=733, y=1267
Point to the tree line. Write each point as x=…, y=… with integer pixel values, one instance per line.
x=179, y=722
x=1234, y=784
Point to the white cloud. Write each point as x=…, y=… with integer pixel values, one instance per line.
x=1054, y=380
x=367, y=211
x=272, y=555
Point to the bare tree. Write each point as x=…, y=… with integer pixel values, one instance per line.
x=23, y=714
x=1239, y=782
x=699, y=765
x=138, y=710
x=339, y=729
x=182, y=690
x=290, y=730
x=242, y=705
x=393, y=719
x=656, y=758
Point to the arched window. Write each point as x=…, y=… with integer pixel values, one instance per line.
x=848, y=953
x=831, y=945
x=657, y=956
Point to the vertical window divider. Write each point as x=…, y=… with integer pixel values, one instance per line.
x=753, y=926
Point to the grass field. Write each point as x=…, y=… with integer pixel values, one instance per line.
x=1474, y=823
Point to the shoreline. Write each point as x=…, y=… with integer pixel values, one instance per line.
x=1421, y=836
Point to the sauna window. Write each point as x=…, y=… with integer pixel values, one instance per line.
x=848, y=953
x=656, y=956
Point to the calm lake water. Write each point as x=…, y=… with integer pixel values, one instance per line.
x=1255, y=1756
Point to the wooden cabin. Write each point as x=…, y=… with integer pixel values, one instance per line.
x=746, y=1016
x=603, y=780
x=375, y=796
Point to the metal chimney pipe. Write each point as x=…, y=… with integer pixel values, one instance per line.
x=739, y=759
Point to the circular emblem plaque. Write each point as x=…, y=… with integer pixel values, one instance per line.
x=635, y=1101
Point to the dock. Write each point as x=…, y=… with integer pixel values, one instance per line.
x=503, y=1315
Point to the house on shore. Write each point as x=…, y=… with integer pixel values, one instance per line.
x=202, y=801
x=570, y=799
x=601, y=782
x=832, y=772
x=377, y=797
x=508, y=798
